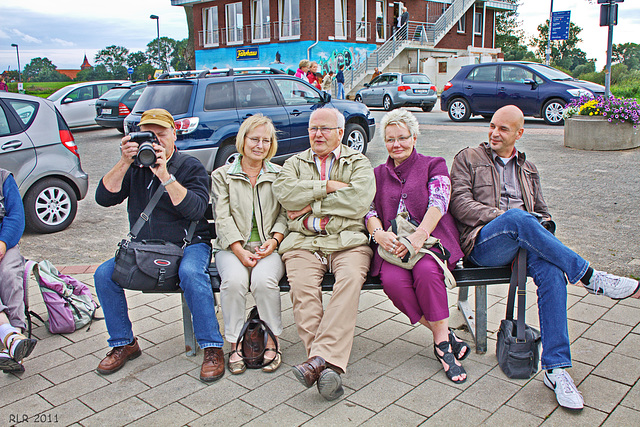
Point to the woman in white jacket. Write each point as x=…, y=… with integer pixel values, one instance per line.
x=250, y=224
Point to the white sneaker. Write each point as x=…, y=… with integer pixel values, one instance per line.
x=614, y=287
x=567, y=394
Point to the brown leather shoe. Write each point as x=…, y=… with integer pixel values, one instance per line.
x=212, y=364
x=309, y=372
x=118, y=356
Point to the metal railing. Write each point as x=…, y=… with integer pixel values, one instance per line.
x=258, y=32
x=363, y=29
x=342, y=29
x=286, y=29
x=209, y=38
x=450, y=17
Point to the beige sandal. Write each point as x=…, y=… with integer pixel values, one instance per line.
x=275, y=363
x=237, y=367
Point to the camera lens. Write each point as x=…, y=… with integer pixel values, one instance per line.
x=146, y=154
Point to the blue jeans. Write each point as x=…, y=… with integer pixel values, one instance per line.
x=340, y=90
x=548, y=261
x=195, y=283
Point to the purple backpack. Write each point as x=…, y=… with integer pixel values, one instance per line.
x=69, y=302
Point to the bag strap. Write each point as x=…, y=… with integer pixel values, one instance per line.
x=518, y=282
x=254, y=319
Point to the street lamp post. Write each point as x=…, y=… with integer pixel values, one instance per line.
x=547, y=55
x=18, y=55
x=157, y=18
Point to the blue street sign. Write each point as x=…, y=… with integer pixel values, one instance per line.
x=560, y=25
x=130, y=70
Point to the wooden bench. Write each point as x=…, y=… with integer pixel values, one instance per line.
x=466, y=276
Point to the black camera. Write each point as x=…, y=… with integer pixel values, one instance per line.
x=146, y=154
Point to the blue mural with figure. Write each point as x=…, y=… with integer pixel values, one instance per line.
x=285, y=56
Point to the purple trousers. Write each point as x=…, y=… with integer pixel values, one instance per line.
x=418, y=292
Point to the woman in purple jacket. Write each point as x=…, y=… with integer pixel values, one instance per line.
x=419, y=185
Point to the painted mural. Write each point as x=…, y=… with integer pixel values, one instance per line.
x=285, y=56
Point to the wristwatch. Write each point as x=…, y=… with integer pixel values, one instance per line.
x=169, y=181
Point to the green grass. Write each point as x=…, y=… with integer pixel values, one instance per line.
x=41, y=89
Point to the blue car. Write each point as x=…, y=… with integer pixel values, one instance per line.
x=209, y=106
x=538, y=90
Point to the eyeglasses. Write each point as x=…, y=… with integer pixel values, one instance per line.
x=265, y=141
x=401, y=139
x=324, y=130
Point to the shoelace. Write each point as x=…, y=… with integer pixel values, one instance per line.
x=567, y=383
x=605, y=278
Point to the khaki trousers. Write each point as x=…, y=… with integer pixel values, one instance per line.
x=327, y=333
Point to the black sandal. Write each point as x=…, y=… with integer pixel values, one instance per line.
x=448, y=358
x=458, y=345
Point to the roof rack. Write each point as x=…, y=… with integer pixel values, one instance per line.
x=217, y=72
x=184, y=74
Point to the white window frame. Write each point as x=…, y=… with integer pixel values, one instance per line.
x=382, y=4
x=477, y=24
x=288, y=20
x=361, y=20
x=340, y=20
x=234, y=30
x=210, y=34
x=260, y=24
x=462, y=24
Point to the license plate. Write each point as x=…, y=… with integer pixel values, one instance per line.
x=421, y=91
x=106, y=111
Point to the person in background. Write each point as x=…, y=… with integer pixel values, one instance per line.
x=419, y=186
x=327, y=80
x=250, y=225
x=340, y=82
x=303, y=68
x=15, y=346
x=312, y=75
x=3, y=85
x=376, y=73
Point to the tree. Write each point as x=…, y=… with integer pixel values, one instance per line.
x=33, y=70
x=627, y=54
x=113, y=57
x=142, y=69
x=510, y=36
x=179, y=61
x=564, y=53
x=167, y=46
x=99, y=72
x=190, y=53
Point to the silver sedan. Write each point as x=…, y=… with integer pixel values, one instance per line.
x=392, y=90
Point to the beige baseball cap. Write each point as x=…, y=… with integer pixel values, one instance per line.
x=157, y=116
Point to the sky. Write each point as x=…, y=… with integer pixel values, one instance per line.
x=65, y=30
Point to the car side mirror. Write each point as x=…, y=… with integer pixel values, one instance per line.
x=325, y=97
x=531, y=82
x=367, y=85
x=66, y=101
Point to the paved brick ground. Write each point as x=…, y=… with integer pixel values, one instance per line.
x=393, y=377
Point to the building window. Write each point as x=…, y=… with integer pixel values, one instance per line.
x=210, y=35
x=260, y=20
x=361, y=20
x=477, y=25
x=381, y=20
x=341, y=19
x=442, y=67
x=234, y=23
x=289, y=19
x=462, y=23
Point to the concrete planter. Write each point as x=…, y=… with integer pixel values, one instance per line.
x=596, y=133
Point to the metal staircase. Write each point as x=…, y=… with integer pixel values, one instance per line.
x=413, y=34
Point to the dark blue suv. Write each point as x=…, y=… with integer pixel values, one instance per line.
x=209, y=106
x=538, y=90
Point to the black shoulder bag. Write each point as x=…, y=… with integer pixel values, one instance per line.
x=518, y=345
x=149, y=265
x=252, y=341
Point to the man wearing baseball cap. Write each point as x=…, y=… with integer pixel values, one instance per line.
x=186, y=197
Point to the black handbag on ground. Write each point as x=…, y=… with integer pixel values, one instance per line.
x=149, y=265
x=518, y=345
x=252, y=341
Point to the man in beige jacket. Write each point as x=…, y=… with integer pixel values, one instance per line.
x=327, y=190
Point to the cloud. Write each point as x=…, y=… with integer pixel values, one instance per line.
x=62, y=43
x=25, y=37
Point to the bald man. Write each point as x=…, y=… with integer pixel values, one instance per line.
x=497, y=200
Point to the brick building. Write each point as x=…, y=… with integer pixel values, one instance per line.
x=440, y=35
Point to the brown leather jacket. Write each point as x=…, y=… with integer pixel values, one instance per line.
x=475, y=191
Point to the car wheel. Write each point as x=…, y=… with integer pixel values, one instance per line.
x=355, y=137
x=358, y=98
x=226, y=155
x=459, y=110
x=50, y=206
x=387, y=103
x=552, y=112
x=427, y=109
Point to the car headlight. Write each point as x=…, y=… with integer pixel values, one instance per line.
x=580, y=92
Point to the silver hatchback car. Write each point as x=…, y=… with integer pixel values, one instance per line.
x=392, y=90
x=38, y=148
